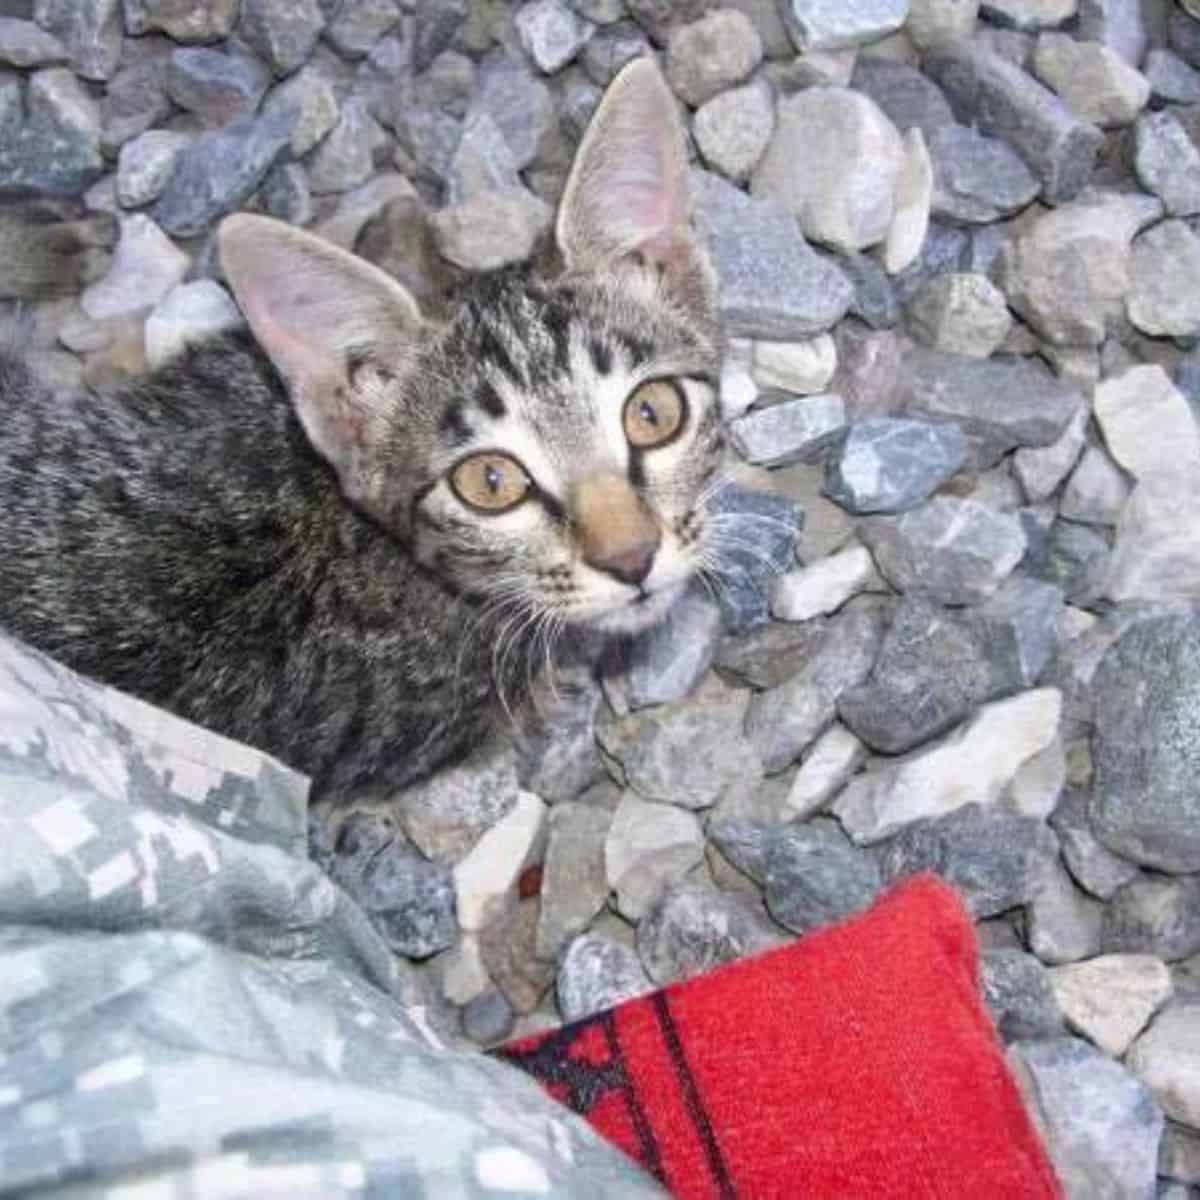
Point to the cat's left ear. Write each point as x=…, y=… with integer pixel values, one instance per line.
x=628, y=198
x=335, y=327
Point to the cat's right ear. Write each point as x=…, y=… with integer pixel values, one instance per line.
x=333, y=325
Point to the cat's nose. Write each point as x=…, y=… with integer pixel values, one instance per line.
x=632, y=564
x=617, y=533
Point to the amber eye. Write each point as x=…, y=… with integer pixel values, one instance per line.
x=490, y=481
x=653, y=414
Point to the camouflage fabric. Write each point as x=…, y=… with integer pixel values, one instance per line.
x=188, y=1007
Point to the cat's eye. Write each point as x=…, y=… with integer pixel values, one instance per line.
x=491, y=482
x=653, y=414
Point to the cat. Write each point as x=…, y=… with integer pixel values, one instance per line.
x=336, y=537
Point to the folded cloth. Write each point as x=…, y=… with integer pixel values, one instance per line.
x=857, y=1062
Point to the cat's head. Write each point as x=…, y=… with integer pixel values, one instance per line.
x=549, y=446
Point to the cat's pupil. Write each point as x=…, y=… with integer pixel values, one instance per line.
x=648, y=413
x=491, y=477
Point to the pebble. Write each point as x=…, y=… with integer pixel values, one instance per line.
x=1092, y=864
x=1111, y=998
x=1155, y=915
x=976, y=178
x=688, y=754
x=359, y=24
x=1163, y=300
x=1062, y=924
x=215, y=87
x=733, y=129
x=1179, y=1159
x=972, y=767
x=953, y=551
x=1029, y=14
x=1167, y=162
x=1097, y=490
x=771, y=284
x=649, y=846
x=282, y=32
x=488, y=1019
x=906, y=96
x=491, y=230
x=508, y=949
x=435, y=28
x=852, y=207
x=793, y=431
x=1167, y=1059
x=313, y=106
x=695, y=928
x=823, y=587
x=345, y=157
x=1121, y=25
x=25, y=44
x=960, y=313
x=485, y=878
x=832, y=24
x=890, y=464
x=1018, y=992
x=596, y=974
x=285, y=194
x=574, y=884
x=1096, y=83
x=482, y=162
x=146, y=265
x=208, y=22
x=610, y=49
x=712, y=54
x=770, y=654
x=1170, y=78
x=551, y=33
x=557, y=755
x=913, y=199
x=802, y=368
x=91, y=30
x=934, y=25
x=830, y=763
x=520, y=103
x=187, y=315
x=410, y=900
x=827, y=526
x=145, y=164
x=1100, y=1124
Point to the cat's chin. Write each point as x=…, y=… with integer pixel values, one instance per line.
x=638, y=615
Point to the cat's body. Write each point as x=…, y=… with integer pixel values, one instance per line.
x=338, y=539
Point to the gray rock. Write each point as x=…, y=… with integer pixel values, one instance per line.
x=1121, y=25
x=557, y=755
x=1097, y=490
x=663, y=665
x=285, y=194
x=521, y=105
x=1167, y=162
x=1018, y=628
x=1092, y=864
x=1147, y=745
x=507, y=948
x=1062, y=924
x=551, y=33
x=610, y=49
x=220, y=171
x=1100, y=1125
x=359, y=24
x=435, y=28
x=712, y=54
x=145, y=164
x=1040, y=471
x=887, y=464
x=282, y=32
x=960, y=313
x=309, y=101
x=1171, y=79
x=997, y=859
x=754, y=540
x=145, y=267
x=793, y=431
x=1165, y=269
x=1183, y=34
x=57, y=112
x=998, y=403
x=946, y=248
x=215, y=87
x=1004, y=100
x=345, y=158
x=1110, y=999
x=596, y=974
x=1018, y=993
x=574, y=883
x=771, y=654
x=906, y=97
x=446, y=815
x=732, y=130
x=603, y=12
x=1154, y=915
x=833, y=24
x=1096, y=83
x=930, y=673
x=91, y=31
x=687, y=754
x=24, y=44
x=977, y=178
x=695, y=928
x=648, y=848
x=953, y=551
x=1075, y=557
x=783, y=721
x=937, y=24
x=208, y=22
x=771, y=283
x=447, y=84
x=482, y=162
x=187, y=315
x=488, y=1019
x=848, y=209
x=1179, y=1159
x=1167, y=1059
x=492, y=229
x=875, y=300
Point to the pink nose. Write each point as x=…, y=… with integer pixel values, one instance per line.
x=630, y=563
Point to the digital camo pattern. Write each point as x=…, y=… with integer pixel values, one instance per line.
x=190, y=1008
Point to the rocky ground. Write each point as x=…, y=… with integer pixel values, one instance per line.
x=954, y=634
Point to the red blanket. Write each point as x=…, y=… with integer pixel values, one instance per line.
x=858, y=1062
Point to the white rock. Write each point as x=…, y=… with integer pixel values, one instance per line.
x=1167, y=1058
x=738, y=389
x=144, y=165
x=1096, y=83
x=973, y=766
x=732, y=130
x=938, y=24
x=491, y=230
x=1062, y=924
x=1110, y=999
x=186, y=315
x=486, y=879
x=801, y=367
x=1096, y=492
x=1152, y=432
x=1042, y=470
x=1031, y=14
x=649, y=846
x=822, y=588
x=145, y=267
x=914, y=196
x=464, y=975
x=551, y=33
x=833, y=759
x=1036, y=787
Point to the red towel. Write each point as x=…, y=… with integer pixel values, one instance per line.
x=858, y=1062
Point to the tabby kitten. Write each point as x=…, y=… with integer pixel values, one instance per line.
x=335, y=539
